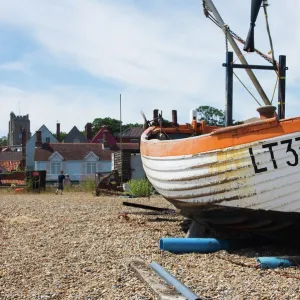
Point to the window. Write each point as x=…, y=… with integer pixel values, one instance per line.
x=91, y=168
x=47, y=140
x=134, y=140
x=55, y=167
x=76, y=140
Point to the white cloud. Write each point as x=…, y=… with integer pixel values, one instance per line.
x=63, y=104
x=169, y=57
x=14, y=66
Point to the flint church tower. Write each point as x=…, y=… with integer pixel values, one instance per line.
x=15, y=126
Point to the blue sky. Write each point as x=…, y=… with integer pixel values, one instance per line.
x=69, y=60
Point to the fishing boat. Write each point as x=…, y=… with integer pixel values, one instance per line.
x=238, y=179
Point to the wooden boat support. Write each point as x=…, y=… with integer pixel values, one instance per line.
x=154, y=208
x=109, y=183
x=171, y=280
x=155, y=283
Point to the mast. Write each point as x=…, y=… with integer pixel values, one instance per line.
x=237, y=51
x=121, y=146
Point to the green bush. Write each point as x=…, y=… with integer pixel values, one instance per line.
x=140, y=187
x=87, y=185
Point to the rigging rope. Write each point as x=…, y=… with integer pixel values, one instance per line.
x=239, y=39
x=269, y=33
x=234, y=35
x=246, y=89
x=274, y=89
x=238, y=57
x=226, y=38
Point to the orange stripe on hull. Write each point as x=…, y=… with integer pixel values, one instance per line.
x=219, y=139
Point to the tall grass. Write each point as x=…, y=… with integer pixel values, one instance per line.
x=140, y=187
x=87, y=185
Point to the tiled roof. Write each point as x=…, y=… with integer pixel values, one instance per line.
x=99, y=136
x=71, y=151
x=133, y=132
x=44, y=131
x=75, y=134
x=16, y=182
x=11, y=155
x=10, y=161
x=9, y=166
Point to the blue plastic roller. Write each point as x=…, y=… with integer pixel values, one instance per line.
x=186, y=245
x=274, y=262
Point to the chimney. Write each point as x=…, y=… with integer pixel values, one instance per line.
x=88, y=131
x=38, y=142
x=58, y=132
x=155, y=117
x=24, y=140
x=174, y=117
x=104, y=140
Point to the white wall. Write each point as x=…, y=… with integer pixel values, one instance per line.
x=76, y=169
x=30, y=146
x=137, y=170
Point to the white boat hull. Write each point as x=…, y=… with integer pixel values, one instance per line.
x=262, y=175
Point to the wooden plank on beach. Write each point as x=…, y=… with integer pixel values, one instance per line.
x=157, y=285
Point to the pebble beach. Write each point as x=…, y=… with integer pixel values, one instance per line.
x=78, y=246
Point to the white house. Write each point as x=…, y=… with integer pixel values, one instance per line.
x=46, y=137
x=79, y=160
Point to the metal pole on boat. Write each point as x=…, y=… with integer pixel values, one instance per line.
x=229, y=88
x=121, y=148
x=238, y=52
x=281, y=86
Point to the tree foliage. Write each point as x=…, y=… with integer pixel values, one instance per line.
x=62, y=135
x=212, y=116
x=3, y=141
x=113, y=125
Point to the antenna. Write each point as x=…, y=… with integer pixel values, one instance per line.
x=19, y=108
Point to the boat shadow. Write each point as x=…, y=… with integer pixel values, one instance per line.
x=268, y=249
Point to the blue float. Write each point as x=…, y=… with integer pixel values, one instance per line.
x=187, y=245
x=274, y=262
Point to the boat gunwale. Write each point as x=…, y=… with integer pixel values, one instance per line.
x=238, y=135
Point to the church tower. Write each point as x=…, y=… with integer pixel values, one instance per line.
x=15, y=126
